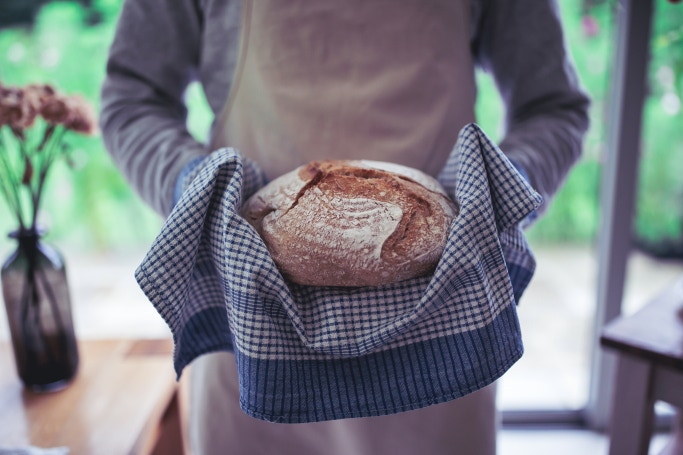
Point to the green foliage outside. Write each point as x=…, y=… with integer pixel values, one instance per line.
x=92, y=206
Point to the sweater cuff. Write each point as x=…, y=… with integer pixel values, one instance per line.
x=531, y=217
x=181, y=183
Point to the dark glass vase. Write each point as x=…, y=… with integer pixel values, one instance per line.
x=36, y=295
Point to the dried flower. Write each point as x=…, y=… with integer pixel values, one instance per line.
x=15, y=110
x=28, y=153
x=53, y=107
x=81, y=118
x=36, y=95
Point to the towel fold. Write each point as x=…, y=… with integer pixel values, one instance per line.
x=308, y=354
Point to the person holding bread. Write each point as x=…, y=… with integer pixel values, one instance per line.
x=296, y=82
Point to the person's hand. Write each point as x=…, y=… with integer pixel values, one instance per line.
x=253, y=176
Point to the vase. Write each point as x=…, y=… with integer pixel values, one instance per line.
x=38, y=305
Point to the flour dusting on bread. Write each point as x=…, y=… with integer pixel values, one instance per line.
x=352, y=223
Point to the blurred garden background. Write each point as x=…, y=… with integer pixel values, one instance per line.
x=89, y=204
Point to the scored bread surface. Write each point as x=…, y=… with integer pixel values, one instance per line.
x=351, y=223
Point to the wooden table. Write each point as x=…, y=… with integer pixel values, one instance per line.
x=122, y=401
x=649, y=345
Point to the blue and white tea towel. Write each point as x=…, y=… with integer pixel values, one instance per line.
x=307, y=354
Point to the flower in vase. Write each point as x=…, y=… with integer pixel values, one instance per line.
x=34, y=120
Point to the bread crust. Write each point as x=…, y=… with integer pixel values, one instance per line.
x=352, y=223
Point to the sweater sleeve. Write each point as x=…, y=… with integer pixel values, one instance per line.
x=153, y=58
x=521, y=43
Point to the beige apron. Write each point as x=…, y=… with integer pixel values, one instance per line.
x=388, y=80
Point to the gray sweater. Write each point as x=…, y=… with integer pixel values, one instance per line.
x=161, y=46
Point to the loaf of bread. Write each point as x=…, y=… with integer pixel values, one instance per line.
x=352, y=223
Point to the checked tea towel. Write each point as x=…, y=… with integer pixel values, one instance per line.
x=307, y=354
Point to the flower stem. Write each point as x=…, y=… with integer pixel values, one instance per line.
x=52, y=299
x=31, y=305
x=30, y=310
x=54, y=306
x=50, y=153
x=9, y=186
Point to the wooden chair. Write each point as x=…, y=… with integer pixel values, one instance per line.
x=649, y=348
